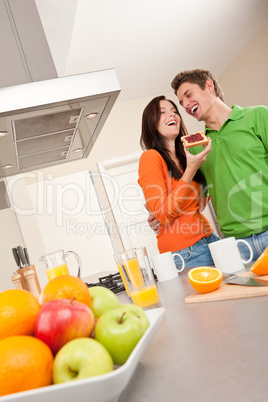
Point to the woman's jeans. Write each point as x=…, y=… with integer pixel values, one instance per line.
x=197, y=255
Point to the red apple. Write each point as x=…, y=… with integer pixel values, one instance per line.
x=61, y=320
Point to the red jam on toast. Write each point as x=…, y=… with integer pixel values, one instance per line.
x=192, y=140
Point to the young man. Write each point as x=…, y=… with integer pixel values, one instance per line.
x=236, y=170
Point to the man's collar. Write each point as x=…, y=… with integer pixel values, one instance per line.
x=236, y=114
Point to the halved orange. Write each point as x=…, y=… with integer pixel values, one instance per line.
x=205, y=279
x=260, y=266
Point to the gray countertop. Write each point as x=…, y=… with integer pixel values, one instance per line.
x=204, y=352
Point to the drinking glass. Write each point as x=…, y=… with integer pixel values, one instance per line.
x=137, y=273
x=121, y=268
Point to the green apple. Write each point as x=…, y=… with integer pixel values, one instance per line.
x=81, y=358
x=139, y=312
x=119, y=330
x=102, y=299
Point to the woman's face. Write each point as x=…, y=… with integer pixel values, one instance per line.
x=169, y=122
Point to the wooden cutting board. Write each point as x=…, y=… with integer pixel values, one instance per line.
x=228, y=292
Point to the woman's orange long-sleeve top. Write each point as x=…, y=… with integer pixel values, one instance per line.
x=176, y=204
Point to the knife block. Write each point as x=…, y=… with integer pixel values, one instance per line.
x=24, y=280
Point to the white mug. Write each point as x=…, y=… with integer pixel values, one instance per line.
x=226, y=254
x=165, y=267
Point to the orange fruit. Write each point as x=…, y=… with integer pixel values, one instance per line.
x=26, y=363
x=66, y=287
x=18, y=311
x=260, y=266
x=205, y=279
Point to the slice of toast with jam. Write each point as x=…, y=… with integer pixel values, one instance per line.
x=192, y=140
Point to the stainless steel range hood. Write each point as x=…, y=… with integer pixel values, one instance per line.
x=51, y=122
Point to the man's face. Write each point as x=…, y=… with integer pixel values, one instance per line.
x=196, y=101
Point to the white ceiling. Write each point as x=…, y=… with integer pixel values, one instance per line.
x=148, y=42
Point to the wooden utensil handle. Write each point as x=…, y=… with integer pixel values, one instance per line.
x=30, y=277
x=24, y=282
x=16, y=279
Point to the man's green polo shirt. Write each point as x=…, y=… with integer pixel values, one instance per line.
x=236, y=171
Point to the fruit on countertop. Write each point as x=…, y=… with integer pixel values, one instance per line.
x=26, y=363
x=139, y=312
x=61, y=320
x=18, y=312
x=93, y=332
x=81, y=358
x=205, y=279
x=102, y=299
x=66, y=287
x=119, y=330
x=260, y=266
x=65, y=314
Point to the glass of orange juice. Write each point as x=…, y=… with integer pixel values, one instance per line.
x=136, y=272
x=122, y=274
x=55, y=263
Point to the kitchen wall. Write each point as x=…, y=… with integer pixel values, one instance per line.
x=244, y=82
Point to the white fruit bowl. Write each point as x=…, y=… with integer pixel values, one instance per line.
x=104, y=388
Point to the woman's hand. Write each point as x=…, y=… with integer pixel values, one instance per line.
x=195, y=161
x=204, y=202
x=153, y=222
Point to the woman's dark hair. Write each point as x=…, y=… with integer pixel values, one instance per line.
x=152, y=139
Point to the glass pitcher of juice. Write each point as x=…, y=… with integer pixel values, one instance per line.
x=56, y=265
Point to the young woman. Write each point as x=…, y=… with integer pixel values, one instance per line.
x=172, y=185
